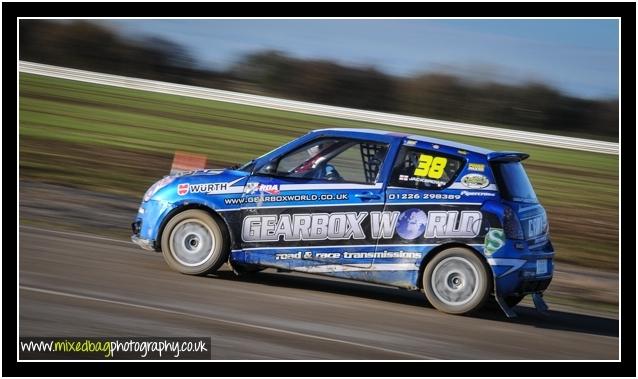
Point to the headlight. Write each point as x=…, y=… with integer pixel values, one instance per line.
x=157, y=186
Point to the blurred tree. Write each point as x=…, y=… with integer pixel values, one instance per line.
x=90, y=46
x=317, y=80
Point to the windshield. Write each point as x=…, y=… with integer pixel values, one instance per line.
x=513, y=182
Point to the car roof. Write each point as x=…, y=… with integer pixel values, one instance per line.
x=363, y=132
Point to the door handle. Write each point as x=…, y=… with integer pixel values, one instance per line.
x=367, y=196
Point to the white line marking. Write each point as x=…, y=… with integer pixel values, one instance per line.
x=316, y=186
x=390, y=203
x=523, y=209
x=311, y=205
x=358, y=267
x=515, y=263
x=219, y=320
x=404, y=121
x=344, y=246
x=89, y=236
x=425, y=204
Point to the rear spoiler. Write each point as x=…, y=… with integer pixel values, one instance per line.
x=506, y=156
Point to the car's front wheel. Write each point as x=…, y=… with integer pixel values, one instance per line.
x=456, y=281
x=194, y=243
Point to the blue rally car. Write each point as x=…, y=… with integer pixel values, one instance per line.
x=458, y=222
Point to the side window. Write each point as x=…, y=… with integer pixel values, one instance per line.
x=423, y=169
x=331, y=159
x=296, y=158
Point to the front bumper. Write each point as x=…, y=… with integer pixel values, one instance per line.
x=144, y=244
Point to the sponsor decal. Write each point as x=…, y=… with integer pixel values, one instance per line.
x=285, y=198
x=207, y=188
x=475, y=193
x=272, y=189
x=410, y=224
x=182, y=189
x=297, y=227
x=476, y=167
x=414, y=223
x=430, y=166
x=475, y=181
x=494, y=240
x=536, y=226
x=404, y=177
x=349, y=255
x=410, y=142
x=423, y=180
x=425, y=196
x=441, y=196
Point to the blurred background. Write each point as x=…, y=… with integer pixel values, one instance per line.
x=88, y=152
x=557, y=76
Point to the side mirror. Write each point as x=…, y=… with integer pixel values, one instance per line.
x=268, y=169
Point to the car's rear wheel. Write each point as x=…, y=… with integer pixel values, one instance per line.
x=456, y=281
x=194, y=243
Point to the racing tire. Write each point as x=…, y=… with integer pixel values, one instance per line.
x=456, y=281
x=194, y=243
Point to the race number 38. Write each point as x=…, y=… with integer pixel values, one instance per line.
x=431, y=167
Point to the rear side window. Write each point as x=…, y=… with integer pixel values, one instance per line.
x=513, y=182
x=423, y=169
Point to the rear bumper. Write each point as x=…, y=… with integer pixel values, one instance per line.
x=521, y=271
x=524, y=280
x=532, y=286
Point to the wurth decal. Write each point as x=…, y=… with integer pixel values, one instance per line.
x=182, y=189
x=209, y=188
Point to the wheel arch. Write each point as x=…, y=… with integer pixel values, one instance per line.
x=432, y=253
x=184, y=207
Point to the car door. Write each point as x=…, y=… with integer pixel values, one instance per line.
x=423, y=207
x=311, y=205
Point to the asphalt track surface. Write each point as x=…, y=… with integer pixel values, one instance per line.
x=84, y=285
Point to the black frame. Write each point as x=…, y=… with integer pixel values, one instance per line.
x=625, y=367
